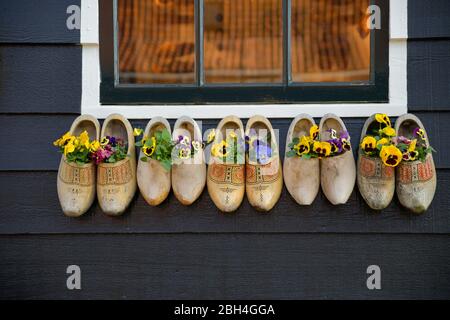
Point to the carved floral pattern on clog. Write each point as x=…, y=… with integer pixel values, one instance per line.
x=374, y=168
x=223, y=173
x=262, y=173
x=70, y=173
x=415, y=171
x=115, y=175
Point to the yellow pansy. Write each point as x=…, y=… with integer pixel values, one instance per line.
x=94, y=146
x=69, y=148
x=63, y=140
x=302, y=147
x=197, y=145
x=369, y=144
x=411, y=154
x=314, y=132
x=382, y=142
x=383, y=118
x=323, y=149
x=391, y=155
x=232, y=134
x=148, y=150
x=388, y=131
x=104, y=141
x=211, y=136
x=137, y=132
x=83, y=139
x=219, y=149
x=184, y=153
x=346, y=145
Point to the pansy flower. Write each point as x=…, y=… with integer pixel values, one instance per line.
x=391, y=155
x=220, y=149
x=346, y=145
x=419, y=133
x=184, y=153
x=303, y=146
x=388, y=131
x=94, y=146
x=211, y=135
x=314, y=132
x=137, y=132
x=63, y=140
x=369, y=144
x=323, y=149
x=383, y=118
x=104, y=141
x=149, y=148
x=197, y=145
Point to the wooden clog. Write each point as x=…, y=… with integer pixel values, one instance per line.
x=188, y=175
x=376, y=181
x=301, y=176
x=153, y=180
x=116, y=182
x=337, y=173
x=76, y=183
x=226, y=181
x=415, y=180
x=263, y=181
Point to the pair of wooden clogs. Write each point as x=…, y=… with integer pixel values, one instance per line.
x=336, y=175
x=414, y=181
x=187, y=178
x=114, y=183
x=262, y=181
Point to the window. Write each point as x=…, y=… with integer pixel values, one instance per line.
x=242, y=51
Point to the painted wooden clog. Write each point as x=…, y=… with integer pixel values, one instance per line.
x=189, y=175
x=376, y=181
x=116, y=182
x=337, y=173
x=76, y=183
x=153, y=180
x=263, y=179
x=301, y=176
x=226, y=181
x=415, y=180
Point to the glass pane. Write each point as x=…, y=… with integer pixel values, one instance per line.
x=330, y=40
x=243, y=41
x=156, y=41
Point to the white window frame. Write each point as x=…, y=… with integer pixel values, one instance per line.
x=398, y=95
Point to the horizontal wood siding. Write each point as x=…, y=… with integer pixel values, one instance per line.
x=40, y=78
x=29, y=205
x=42, y=21
x=218, y=266
x=321, y=251
x=428, y=19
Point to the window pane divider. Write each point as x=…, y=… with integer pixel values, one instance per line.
x=287, y=70
x=198, y=20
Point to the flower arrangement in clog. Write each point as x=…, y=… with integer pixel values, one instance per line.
x=78, y=149
x=310, y=146
x=414, y=148
x=184, y=148
x=305, y=146
x=380, y=142
x=158, y=147
x=258, y=148
x=229, y=150
x=110, y=150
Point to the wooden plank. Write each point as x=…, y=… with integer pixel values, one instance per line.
x=218, y=266
x=48, y=127
x=429, y=75
x=29, y=205
x=428, y=19
x=31, y=21
x=40, y=79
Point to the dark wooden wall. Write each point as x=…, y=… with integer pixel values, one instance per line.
x=173, y=251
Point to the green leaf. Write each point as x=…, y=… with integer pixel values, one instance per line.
x=144, y=159
x=166, y=135
x=295, y=140
x=166, y=164
x=306, y=156
x=291, y=154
